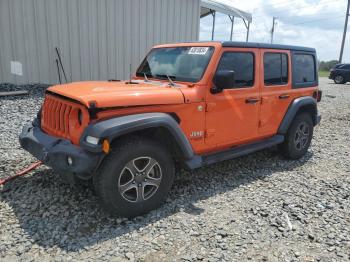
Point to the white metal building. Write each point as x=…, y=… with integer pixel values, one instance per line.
x=96, y=39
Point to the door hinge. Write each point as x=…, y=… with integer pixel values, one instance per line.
x=263, y=100
x=209, y=133
x=209, y=107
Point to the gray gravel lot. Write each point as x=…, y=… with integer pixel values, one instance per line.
x=259, y=207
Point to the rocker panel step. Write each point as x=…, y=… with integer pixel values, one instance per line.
x=242, y=150
x=204, y=160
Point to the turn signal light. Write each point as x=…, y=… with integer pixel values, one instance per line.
x=106, y=146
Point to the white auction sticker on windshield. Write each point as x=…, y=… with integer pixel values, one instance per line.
x=198, y=50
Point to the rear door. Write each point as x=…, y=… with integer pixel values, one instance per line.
x=232, y=115
x=276, y=93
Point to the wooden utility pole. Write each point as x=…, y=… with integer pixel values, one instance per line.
x=273, y=27
x=344, y=34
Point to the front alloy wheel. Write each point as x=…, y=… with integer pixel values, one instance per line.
x=140, y=179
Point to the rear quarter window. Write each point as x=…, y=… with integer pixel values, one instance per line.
x=304, y=70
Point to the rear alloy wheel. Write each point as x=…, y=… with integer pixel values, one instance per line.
x=298, y=138
x=135, y=177
x=339, y=79
x=301, y=136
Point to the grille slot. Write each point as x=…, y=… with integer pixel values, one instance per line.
x=57, y=117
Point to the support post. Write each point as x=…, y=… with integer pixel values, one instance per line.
x=344, y=33
x=248, y=27
x=213, y=13
x=232, y=18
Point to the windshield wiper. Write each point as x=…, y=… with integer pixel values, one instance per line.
x=171, y=82
x=146, y=75
x=146, y=78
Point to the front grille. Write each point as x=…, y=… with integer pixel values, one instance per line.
x=61, y=117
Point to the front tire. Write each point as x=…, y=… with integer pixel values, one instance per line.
x=134, y=178
x=298, y=138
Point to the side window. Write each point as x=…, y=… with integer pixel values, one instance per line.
x=304, y=68
x=242, y=63
x=275, y=69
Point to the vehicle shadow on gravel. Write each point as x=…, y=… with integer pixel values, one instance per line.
x=55, y=215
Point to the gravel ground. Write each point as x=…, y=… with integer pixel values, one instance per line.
x=259, y=207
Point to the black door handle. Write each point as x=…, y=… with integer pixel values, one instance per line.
x=252, y=100
x=283, y=96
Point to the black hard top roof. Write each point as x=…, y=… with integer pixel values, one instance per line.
x=264, y=45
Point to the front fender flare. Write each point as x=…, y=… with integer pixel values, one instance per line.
x=294, y=107
x=116, y=127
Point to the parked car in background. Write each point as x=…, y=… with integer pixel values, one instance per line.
x=340, y=73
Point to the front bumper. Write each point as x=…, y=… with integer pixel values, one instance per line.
x=54, y=152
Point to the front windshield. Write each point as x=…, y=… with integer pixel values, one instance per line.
x=177, y=63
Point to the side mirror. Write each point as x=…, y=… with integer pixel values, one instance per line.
x=223, y=79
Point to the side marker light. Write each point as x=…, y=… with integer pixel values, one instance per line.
x=106, y=146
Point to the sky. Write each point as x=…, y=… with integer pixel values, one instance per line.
x=312, y=23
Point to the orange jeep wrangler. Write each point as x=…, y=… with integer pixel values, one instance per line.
x=189, y=105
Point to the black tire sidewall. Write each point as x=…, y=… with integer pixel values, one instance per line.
x=107, y=185
x=339, y=82
x=293, y=152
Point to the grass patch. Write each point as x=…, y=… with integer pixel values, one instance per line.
x=323, y=73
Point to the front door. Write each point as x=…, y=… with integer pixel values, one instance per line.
x=232, y=115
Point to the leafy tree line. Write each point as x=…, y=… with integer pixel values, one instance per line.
x=326, y=65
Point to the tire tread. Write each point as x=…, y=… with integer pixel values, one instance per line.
x=102, y=177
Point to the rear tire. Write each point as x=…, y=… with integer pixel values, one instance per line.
x=339, y=79
x=134, y=178
x=298, y=138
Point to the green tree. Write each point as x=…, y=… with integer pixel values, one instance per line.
x=327, y=65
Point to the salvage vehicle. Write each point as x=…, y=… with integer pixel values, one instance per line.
x=340, y=73
x=189, y=105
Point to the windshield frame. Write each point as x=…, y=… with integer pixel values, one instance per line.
x=141, y=74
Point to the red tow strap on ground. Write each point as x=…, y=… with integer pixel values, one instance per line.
x=21, y=173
